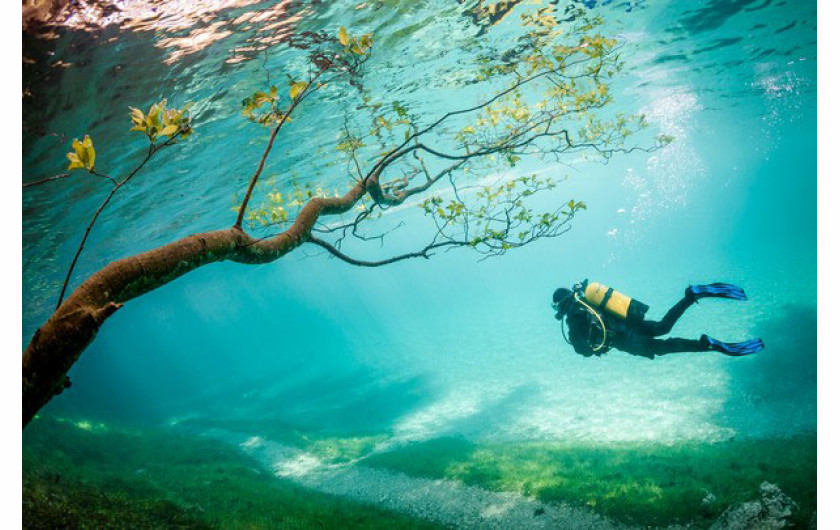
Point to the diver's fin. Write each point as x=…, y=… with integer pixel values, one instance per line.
x=716, y=290
x=734, y=349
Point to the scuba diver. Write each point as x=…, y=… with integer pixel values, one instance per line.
x=600, y=318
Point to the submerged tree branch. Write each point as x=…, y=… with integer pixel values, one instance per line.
x=241, y=214
x=283, y=119
x=117, y=185
x=44, y=181
x=57, y=344
x=498, y=222
x=425, y=252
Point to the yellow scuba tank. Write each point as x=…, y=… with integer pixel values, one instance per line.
x=618, y=304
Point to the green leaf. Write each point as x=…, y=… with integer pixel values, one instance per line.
x=261, y=97
x=343, y=37
x=401, y=111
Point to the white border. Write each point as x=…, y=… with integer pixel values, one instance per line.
x=827, y=235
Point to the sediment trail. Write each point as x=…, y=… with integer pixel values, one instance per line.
x=442, y=501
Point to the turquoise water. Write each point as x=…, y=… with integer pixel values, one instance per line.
x=452, y=346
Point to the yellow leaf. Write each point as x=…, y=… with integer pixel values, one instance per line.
x=153, y=118
x=90, y=153
x=296, y=89
x=343, y=37
x=137, y=116
x=75, y=163
x=79, y=149
x=169, y=130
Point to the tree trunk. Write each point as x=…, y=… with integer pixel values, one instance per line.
x=57, y=344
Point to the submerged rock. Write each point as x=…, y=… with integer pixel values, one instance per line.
x=772, y=511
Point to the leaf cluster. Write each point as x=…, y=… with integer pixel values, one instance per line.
x=162, y=121
x=261, y=107
x=497, y=218
x=278, y=208
x=358, y=45
x=83, y=155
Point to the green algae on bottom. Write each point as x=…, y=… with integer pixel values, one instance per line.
x=87, y=474
x=636, y=483
x=330, y=447
x=84, y=473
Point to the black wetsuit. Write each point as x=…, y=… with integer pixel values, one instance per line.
x=634, y=338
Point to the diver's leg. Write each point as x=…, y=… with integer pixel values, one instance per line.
x=651, y=347
x=678, y=345
x=655, y=329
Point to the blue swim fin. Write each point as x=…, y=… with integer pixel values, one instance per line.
x=716, y=290
x=734, y=349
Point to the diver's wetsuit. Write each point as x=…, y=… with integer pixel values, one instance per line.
x=634, y=338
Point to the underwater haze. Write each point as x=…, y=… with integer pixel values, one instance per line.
x=312, y=393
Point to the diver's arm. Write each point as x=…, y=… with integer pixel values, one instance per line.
x=579, y=333
x=582, y=348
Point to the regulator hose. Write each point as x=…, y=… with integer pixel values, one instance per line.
x=600, y=321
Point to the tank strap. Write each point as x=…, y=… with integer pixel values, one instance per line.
x=606, y=299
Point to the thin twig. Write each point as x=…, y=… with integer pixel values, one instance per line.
x=241, y=214
x=117, y=185
x=423, y=253
x=44, y=181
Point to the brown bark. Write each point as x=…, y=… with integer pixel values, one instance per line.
x=57, y=344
